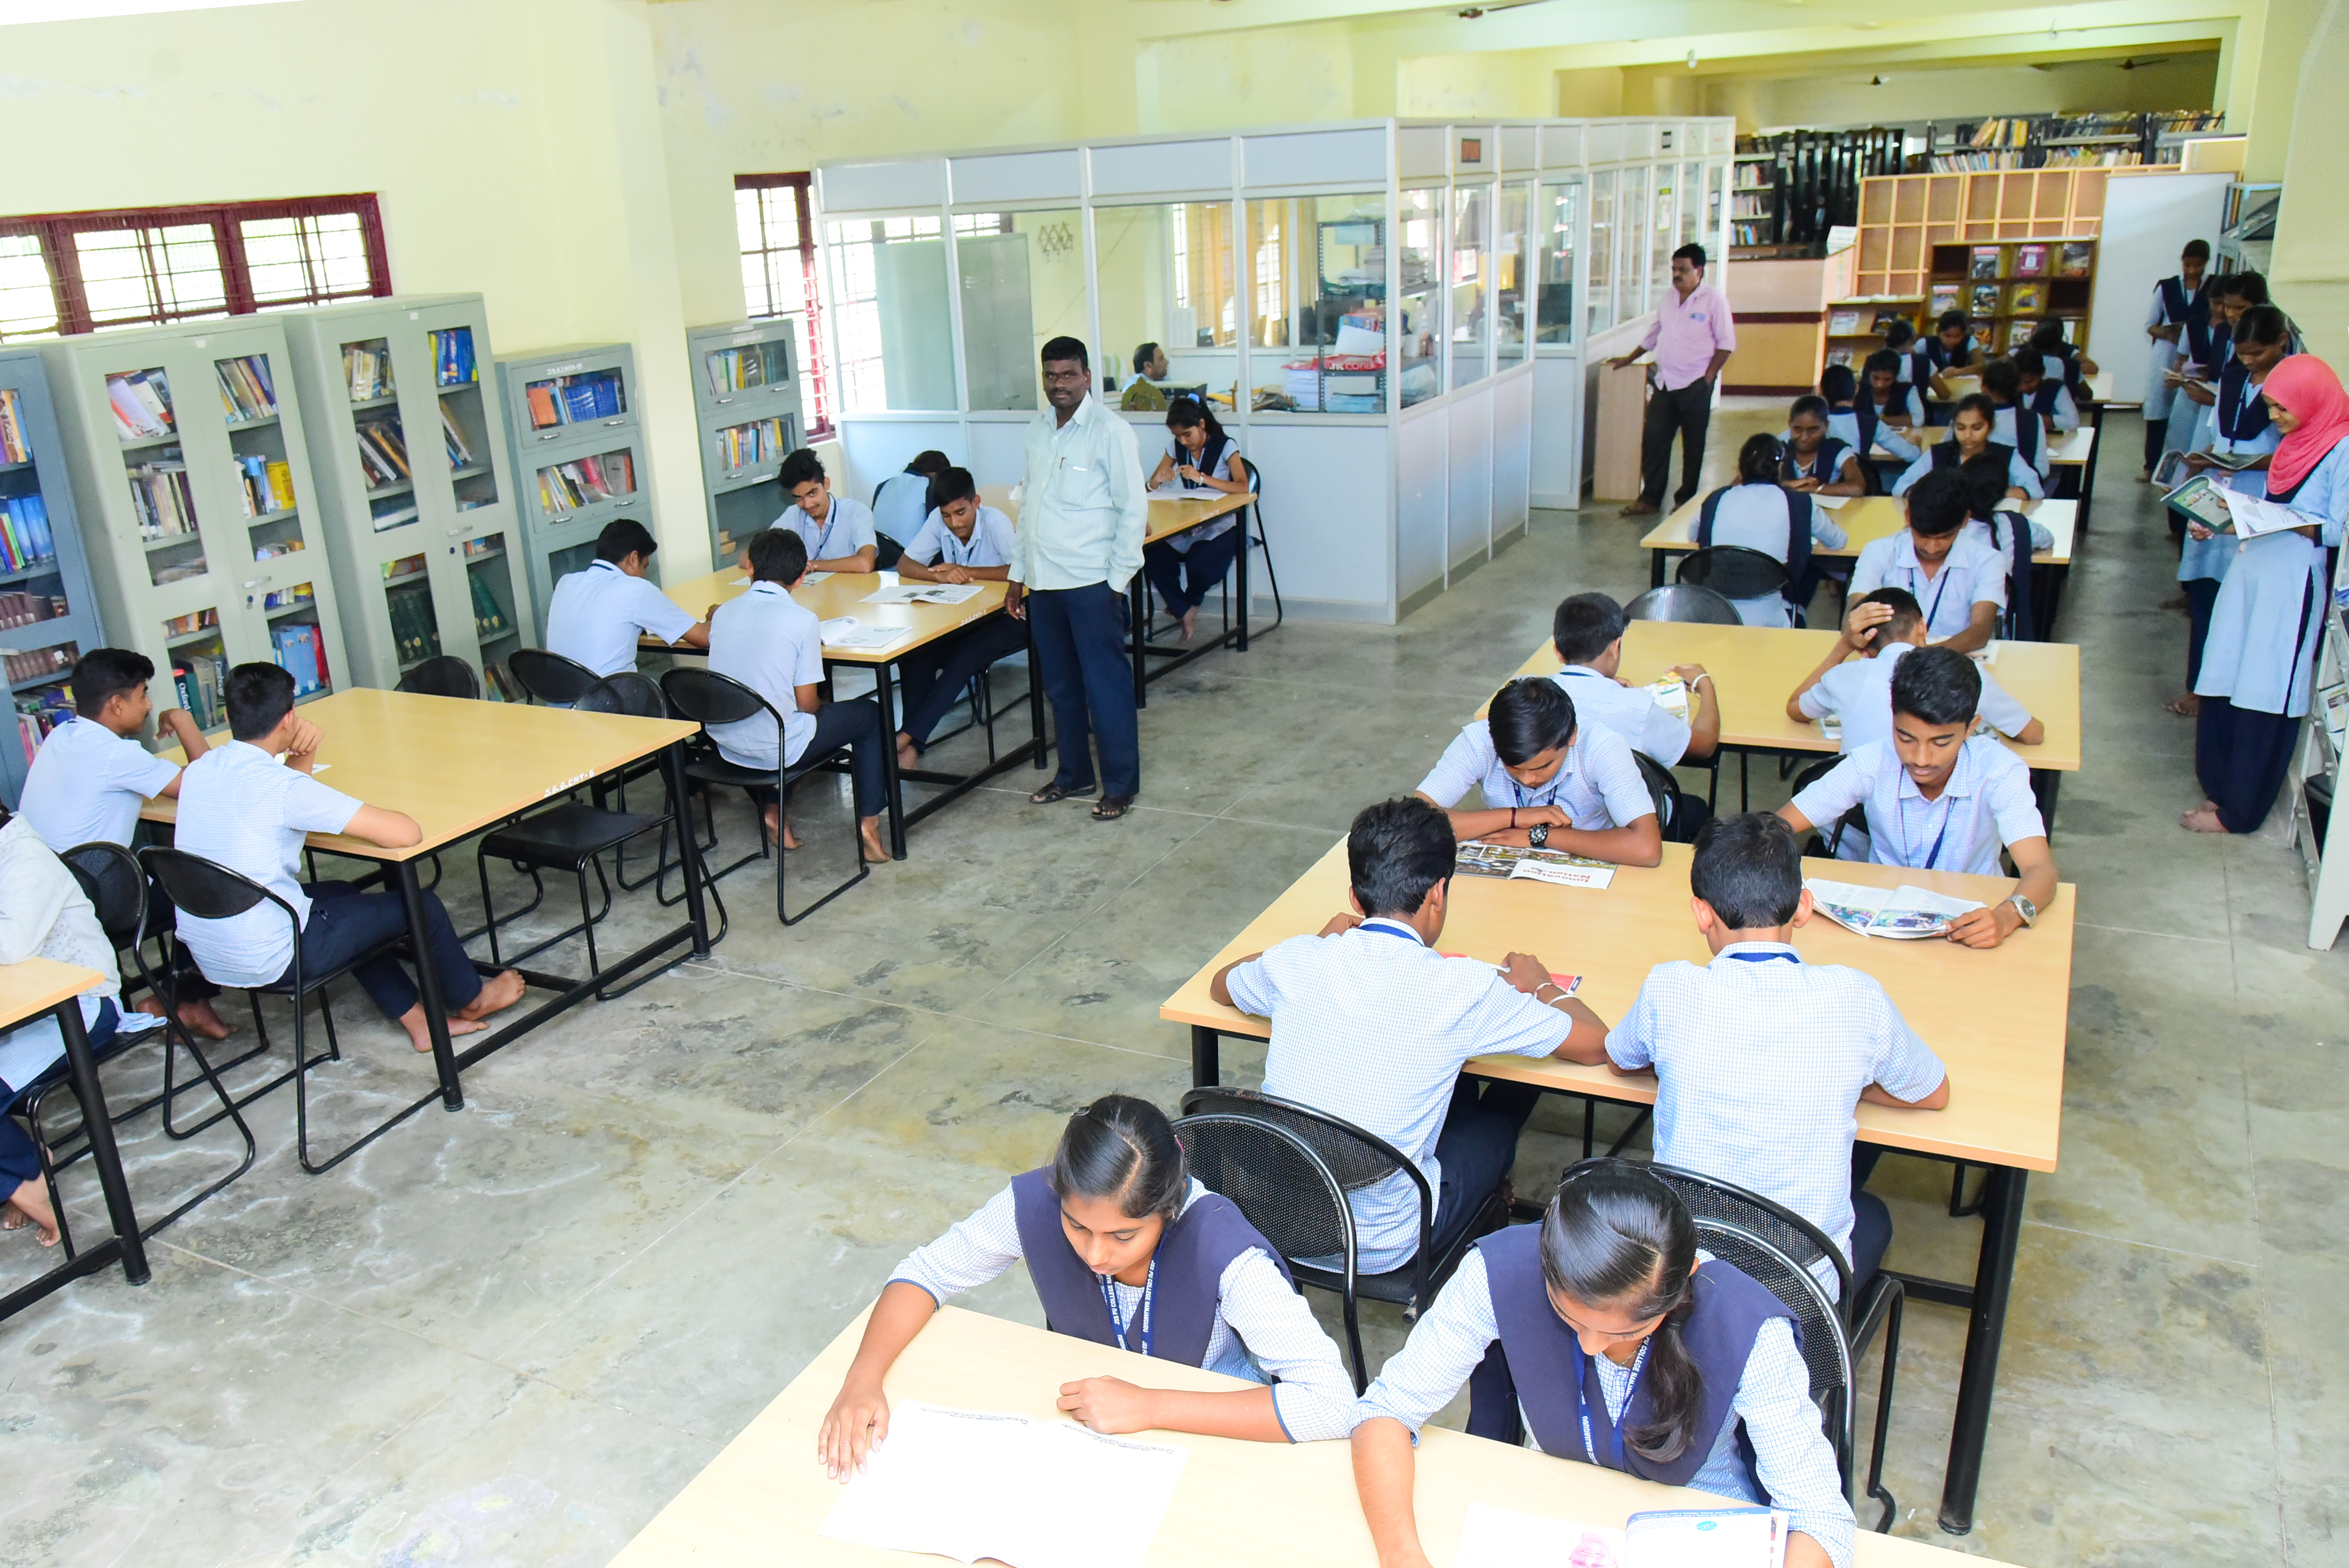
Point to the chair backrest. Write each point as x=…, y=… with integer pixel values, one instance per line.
x=549, y=677
x=1685, y=603
x=886, y=551
x=601, y=697
x=206, y=889
x=1659, y=781
x=640, y=694
x=706, y=697
x=1733, y=571
x=116, y=889
x=1353, y=1157
x=1280, y=1184
x=445, y=674
x=1829, y=834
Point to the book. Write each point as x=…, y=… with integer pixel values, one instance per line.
x=1843, y=323
x=245, y=391
x=141, y=402
x=2254, y=516
x=1944, y=300
x=1907, y=912
x=452, y=356
x=2026, y=299
x=922, y=593
x=459, y=454
x=1671, y=693
x=14, y=446
x=2029, y=261
x=1524, y=863
x=1839, y=357
x=2078, y=257
x=368, y=367
x=2018, y=334
x=1982, y=263
x=847, y=632
x=1885, y=318
x=1984, y=302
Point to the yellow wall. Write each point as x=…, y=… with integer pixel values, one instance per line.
x=2311, y=270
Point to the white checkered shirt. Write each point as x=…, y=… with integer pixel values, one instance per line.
x=1986, y=804
x=1632, y=712
x=1598, y=784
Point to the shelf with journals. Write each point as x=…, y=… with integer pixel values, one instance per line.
x=1903, y=216
x=48, y=607
x=408, y=435
x=2008, y=289
x=577, y=448
x=197, y=507
x=746, y=401
x=1855, y=326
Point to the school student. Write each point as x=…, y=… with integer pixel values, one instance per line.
x=1760, y=513
x=1959, y=580
x=1371, y=1025
x=1813, y=461
x=2012, y=424
x=1201, y=459
x=1937, y=800
x=596, y=614
x=2259, y=655
x=1900, y=341
x=773, y=644
x=1586, y=632
x=1125, y=1248
x=2008, y=534
x=2048, y=341
x=1548, y=780
x=960, y=542
x=2043, y=393
x=2176, y=310
x=1973, y=426
x=903, y=500
x=1952, y=347
x=241, y=807
x=1854, y=682
x=1601, y=1332
x=838, y=530
x=1885, y=412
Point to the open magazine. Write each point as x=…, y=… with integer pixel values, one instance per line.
x=1672, y=694
x=1906, y=912
x=1727, y=1537
x=1524, y=863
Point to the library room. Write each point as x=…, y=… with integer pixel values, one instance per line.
x=800, y=958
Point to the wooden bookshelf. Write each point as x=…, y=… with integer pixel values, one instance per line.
x=2004, y=295
x=578, y=444
x=197, y=512
x=416, y=483
x=1866, y=327
x=1903, y=216
x=49, y=608
x=746, y=400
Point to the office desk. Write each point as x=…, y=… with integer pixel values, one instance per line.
x=27, y=990
x=843, y=594
x=1243, y=1505
x=459, y=768
x=1863, y=520
x=1997, y=1019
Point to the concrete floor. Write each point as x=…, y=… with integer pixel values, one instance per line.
x=512, y=1333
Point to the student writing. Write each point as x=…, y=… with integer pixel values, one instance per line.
x=838, y=532
x=960, y=542
x=596, y=615
x=1959, y=580
x=1757, y=512
x=1973, y=425
x=1200, y=460
x=1548, y=781
x=1813, y=459
x=1586, y=635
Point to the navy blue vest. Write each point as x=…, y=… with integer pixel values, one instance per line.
x=1209, y=454
x=1719, y=1334
x=1945, y=454
x=2020, y=621
x=2192, y=313
x=2043, y=400
x=1192, y=1254
x=1941, y=357
x=2073, y=377
x=1799, y=533
x=1828, y=466
x=2243, y=414
x=2222, y=347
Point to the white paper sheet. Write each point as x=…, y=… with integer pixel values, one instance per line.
x=1503, y=1538
x=1575, y=875
x=1832, y=502
x=922, y=593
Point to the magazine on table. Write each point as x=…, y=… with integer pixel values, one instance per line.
x=1523, y=863
x=922, y=593
x=1726, y=1537
x=1906, y=912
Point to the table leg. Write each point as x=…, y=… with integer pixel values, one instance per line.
x=893, y=789
x=1655, y=569
x=1993, y=1281
x=1137, y=614
x=427, y=987
x=689, y=850
x=98, y=1126
x=1244, y=582
x=1206, y=1055
x=2045, y=783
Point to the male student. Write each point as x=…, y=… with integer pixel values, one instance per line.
x=903, y=499
x=241, y=807
x=596, y=616
x=1150, y=368
x=961, y=541
x=1586, y=632
x=1548, y=782
x=838, y=530
x=1961, y=582
x=1854, y=682
x=1371, y=1024
x=1938, y=801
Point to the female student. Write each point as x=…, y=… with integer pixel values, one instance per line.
x=2047, y=339
x=1952, y=347
x=1759, y=513
x=2177, y=308
x=2205, y=356
x=1125, y=1248
x=2012, y=424
x=1201, y=458
x=1970, y=424
x=1813, y=461
x=1885, y=410
x=2259, y=654
x=1600, y=1333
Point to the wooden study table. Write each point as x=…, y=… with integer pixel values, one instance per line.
x=27, y=990
x=1997, y=1019
x=462, y=766
x=761, y=1500
x=1863, y=520
x=844, y=593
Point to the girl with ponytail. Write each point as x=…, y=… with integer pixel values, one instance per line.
x=1601, y=1336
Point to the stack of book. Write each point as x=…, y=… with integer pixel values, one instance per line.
x=13, y=448
x=199, y=679
x=576, y=399
x=285, y=598
x=38, y=713
x=497, y=683
x=246, y=394
x=194, y=620
x=488, y=618
x=18, y=608
x=566, y=487
x=745, y=447
x=459, y=455
x=297, y=650
x=414, y=632
x=40, y=663
x=734, y=370
x=452, y=356
x=368, y=367
x=383, y=451
x=267, y=487
x=141, y=401
x=25, y=538
x=160, y=498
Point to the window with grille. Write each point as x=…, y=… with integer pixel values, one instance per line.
x=84, y=272
x=778, y=276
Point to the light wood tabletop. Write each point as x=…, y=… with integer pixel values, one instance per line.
x=35, y=985
x=1868, y=517
x=455, y=764
x=761, y=1500
x=1755, y=669
x=1169, y=515
x=1996, y=1018
x=843, y=594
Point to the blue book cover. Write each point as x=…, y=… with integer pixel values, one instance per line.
x=579, y=402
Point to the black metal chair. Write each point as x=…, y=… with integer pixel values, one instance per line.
x=1779, y=1248
x=708, y=698
x=1684, y=602
x=1734, y=572
x=207, y=889
x=445, y=674
x=887, y=551
x=1828, y=837
x=1261, y=542
x=1229, y=1135
x=550, y=678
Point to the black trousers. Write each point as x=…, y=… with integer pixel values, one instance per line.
x=936, y=676
x=2201, y=593
x=2241, y=757
x=1079, y=638
x=1688, y=412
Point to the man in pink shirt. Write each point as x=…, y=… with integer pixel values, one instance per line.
x=1692, y=338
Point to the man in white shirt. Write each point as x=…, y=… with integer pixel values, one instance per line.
x=838, y=532
x=1083, y=514
x=1959, y=579
x=596, y=615
x=961, y=541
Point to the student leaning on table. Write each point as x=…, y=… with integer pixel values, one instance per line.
x=1854, y=682
x=1973, y=426
x=1125, y=1248
x=1699, y=1375
x=1548, y=781
x=596, y=614
x=1959, y=579
x=1586, y=632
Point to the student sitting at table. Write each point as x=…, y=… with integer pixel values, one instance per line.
x=1952, y=347
x=1937, y=800
x=1587, y=633
x=969, y=543
x=244, y=808
x=1759, y=513
x=1972, y=425
x=774, y=644
x=1200, y=460
x=1900, y=341
x=2048, y=341
x=1959, y=580
x=596, y=615
x=2043, y=393
x=1884, y=408
x=1811, y=458
x=903, y=499
x=1125, y=1248
x=2012, y=536
x=838, y=530
x=1698, y=1369
x=1373, y=1024
x=1548, y=780
x=1854, y=683
x=2012, y=424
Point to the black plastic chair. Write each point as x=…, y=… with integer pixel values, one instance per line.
x=1262, y=542
x=1684, y=602
x=708, y=698
x=550, y=678
x=886, y=551
x=445, y=674
x=1734, y=572
x=1228, y=1134
x=1665, y=794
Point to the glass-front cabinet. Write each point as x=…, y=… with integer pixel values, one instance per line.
x=1420, y=294
x=1558, y=206
x=1470, y=270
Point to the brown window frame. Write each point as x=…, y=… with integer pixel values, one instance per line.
x=818, y=364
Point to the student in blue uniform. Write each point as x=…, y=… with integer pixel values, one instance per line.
x=1812, y=458
x=2048, y=341
x=596, y=616
x=1548, y=781
x=1201, y=459
x=1759, y=513
x=2176, y=309
x=902, y=500
x=2011, y=535
x=2259, y=655
x=1887, y=411
x=1587, y=633
x=1972, y=430
x=1952, y=347
x=961, y=541
x=1960, y=580
x=2012, y=424
x=1854, y=683
x=838, y=530
x=2042, y=390
x=1901, y=342
x=1125, y=1249
x=1601, y=1332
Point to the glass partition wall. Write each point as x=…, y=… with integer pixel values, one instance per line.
x=1317, y=268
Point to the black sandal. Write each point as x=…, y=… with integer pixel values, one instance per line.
x=1112, y=807
x=1054, y=792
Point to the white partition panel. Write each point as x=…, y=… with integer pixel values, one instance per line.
x=875, y=450
x=1468, y=489
x=1326, y=505
x=1513, y=421
x=1556, y=433
x=998, y=451
x=1420, y=457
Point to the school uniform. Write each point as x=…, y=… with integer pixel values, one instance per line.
x=2022, y=430
x=1598, y=785
x=774, y=644
x=2171, y=306
x=1219, y=1296
x=1781, y=524
x=1181, y=569
x=1491, y=1327
x=596, y=615
x=2241, y=422
x=1944, y=454
x=899, y=505
x=1985, y=805
x=1973, y=572
x=1868, y=429
x=936, y=675
x=1645, y=725
x=2053, y=402
x=1860, y=692
x=846, y=528
x=1371, y=1027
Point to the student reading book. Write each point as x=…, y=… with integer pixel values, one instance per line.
x=1759, y=513
x=1852, y=684
x=1960, y=580
x=1973, y=426
x=1813, y=459
x=2178, y=321
x=1587, y=633
x=1201, y=459
x=596, y=615
x=1884, y=412
x=1548, y=780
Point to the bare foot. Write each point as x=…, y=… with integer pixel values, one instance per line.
x=2203, y=818
x=909, y=756
x=773, y=818
x=29, y=1205
x=869, y=830
x=498, y=993
x=2187, y=706
x=419, y=1033
x=1190, y=622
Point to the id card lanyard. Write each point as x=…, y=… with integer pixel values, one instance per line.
x=1117, y=1317
x=1583, y=1378
x=1935, y=852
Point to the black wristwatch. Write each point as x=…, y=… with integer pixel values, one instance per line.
x=1537, y=835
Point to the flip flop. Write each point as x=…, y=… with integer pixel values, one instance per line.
x=1054, y=792
x=1112, y=807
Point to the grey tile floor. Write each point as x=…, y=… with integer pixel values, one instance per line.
x=511, y=1334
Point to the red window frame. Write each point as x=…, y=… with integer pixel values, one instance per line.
x=819, y=380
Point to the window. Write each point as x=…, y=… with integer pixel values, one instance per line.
x=778, y=277
x=83, y=272
x=889, y=296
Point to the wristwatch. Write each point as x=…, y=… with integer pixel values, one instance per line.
x=2025, y=908
x=1537, y=835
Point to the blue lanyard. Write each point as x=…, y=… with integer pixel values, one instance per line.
x=1941, y=586
x=1390, y=931
x=1935, y=852
x=1545, y=796
x=1117, y=1318
x=1765, y=957
x=1614, y=1428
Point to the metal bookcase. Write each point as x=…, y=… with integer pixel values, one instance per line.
x=415, y=482
x=49, y=608
x=579, y=459
x=2317, y=769
x=198, y=517
x=747, y=413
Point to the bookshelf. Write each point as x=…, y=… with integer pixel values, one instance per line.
x=2247, y=234
x=197, y=512
x=577, y=446
x=1753, y=196
x=2109, y=139
x=1855, y=326
x=415, y=483
x=2317, y=768
x=48, y=609
x=2006, y=289
x=1903, y=216
x=746, y=400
